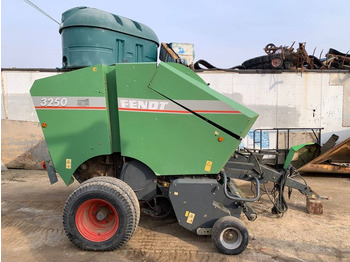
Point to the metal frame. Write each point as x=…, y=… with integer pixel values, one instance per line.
x=315, y=130
x=247, y=167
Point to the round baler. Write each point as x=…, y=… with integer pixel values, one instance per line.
x=141, y=135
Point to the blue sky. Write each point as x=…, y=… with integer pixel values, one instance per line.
x=225, y=33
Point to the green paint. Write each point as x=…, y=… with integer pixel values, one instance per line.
x=292, y=152
x=183, y=85
x=169, y=143
x=75, y=134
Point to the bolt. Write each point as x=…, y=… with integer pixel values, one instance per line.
x=230, y=235
x=83, y=166
x=102, y=214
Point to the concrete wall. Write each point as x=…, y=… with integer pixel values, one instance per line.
x=288, y=99
x=16, y=103
x=22, y=141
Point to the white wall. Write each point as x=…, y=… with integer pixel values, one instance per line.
x=16, y=103
x=289, y=99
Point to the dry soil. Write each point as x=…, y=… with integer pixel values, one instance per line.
x=31, y=227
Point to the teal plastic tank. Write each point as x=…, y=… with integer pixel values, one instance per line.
x=91, y=36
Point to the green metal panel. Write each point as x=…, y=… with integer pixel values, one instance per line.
x=170, y=139
x=300, y=155
x=125, y=108
x=180, y=83
x=291, y=153
x=111, y=83
x=172, y=144
x=74, y=106
x=91, y=36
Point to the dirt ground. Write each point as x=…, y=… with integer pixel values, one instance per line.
x=31, y=228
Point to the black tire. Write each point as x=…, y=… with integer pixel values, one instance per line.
x=100, y=215
x=336, y=52
x=230, y=235
x=260, y=62
x=266, y=62
x=128, y=190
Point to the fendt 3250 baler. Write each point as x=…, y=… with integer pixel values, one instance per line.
x=135, y=132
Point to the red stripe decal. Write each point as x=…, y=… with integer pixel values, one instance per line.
x=217, y=111
x=70, y=107
x=153, y=110
x=180, y=112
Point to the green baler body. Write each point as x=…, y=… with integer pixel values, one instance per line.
x=163, y=115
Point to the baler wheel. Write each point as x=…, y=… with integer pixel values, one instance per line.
x=101, y=215
x=128, y=191
x=230, y=235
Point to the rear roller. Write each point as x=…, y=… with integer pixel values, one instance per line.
x=100, y=215
x=230, y=235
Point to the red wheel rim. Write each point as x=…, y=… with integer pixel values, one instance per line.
x=276, y=62
x=92, y=228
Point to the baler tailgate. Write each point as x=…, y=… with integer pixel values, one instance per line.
x=193, y=93
x=155, y=124
x=197, y=112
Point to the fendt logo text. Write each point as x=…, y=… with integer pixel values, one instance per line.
x=142, y=104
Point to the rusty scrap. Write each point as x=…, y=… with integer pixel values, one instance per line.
x=285, y=57
x=284, y=50
x=300, y=59
x=336, y=59
x=335, y=160
x=272, y=49
x=168, y=54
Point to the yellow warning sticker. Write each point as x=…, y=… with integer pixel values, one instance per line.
x=190, y=218
x=208, y=166
x=186, y=214
x=68, y=163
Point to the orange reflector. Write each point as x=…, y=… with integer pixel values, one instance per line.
x=221, y=139
x=44, y=125
x=44, y=165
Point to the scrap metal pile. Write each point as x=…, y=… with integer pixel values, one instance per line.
x=284, y=57
x=287, y=58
